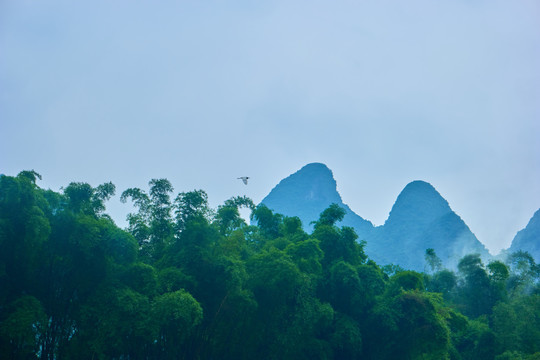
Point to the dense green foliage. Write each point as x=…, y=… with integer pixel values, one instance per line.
x=185, y=281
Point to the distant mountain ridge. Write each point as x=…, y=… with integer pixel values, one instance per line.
x=309, y=191
x=420, y=218
x=528, y=239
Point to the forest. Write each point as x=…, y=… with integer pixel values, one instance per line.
x=187, y=281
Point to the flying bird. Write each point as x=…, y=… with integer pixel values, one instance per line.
x=244, y=179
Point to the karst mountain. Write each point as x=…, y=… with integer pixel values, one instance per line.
x=420, y=219
x=528, y=239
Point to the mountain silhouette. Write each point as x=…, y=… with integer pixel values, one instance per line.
x=528, y=239
x=420, y=219
x=308, y=192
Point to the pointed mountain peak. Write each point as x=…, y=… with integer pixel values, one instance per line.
x=315, y=166
x=307, y=193
x=420, y=219
x=418, y=202
x=315, y=171
x=313, y=182
x=528, y=239
x=419, y=185
x=420, y=188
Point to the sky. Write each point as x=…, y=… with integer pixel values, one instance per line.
x=202, y=92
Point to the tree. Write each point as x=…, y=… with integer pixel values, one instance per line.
x=339, y=244
x=330, y=216
x=152, y=225
x=516, y=325
x=408, y=325
x=142, y=278
x=115, y=323
x=344, y=288
x=228, y=217
x=82, y=198
x=22, y=328
x=307, y=255
x=56, y=250
x=268, y=222
x=524, y=273
x=432, y=260
x=275, y=281
x=475, y=291
x=443, y=282
x=189, y=205
x=405, y=281
x=176, y=314
x=24, y=228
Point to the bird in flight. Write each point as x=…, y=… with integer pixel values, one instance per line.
x=244, y=179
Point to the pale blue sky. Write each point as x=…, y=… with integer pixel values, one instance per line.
x=382, y=92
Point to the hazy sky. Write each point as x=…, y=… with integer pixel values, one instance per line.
x=201, y=92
